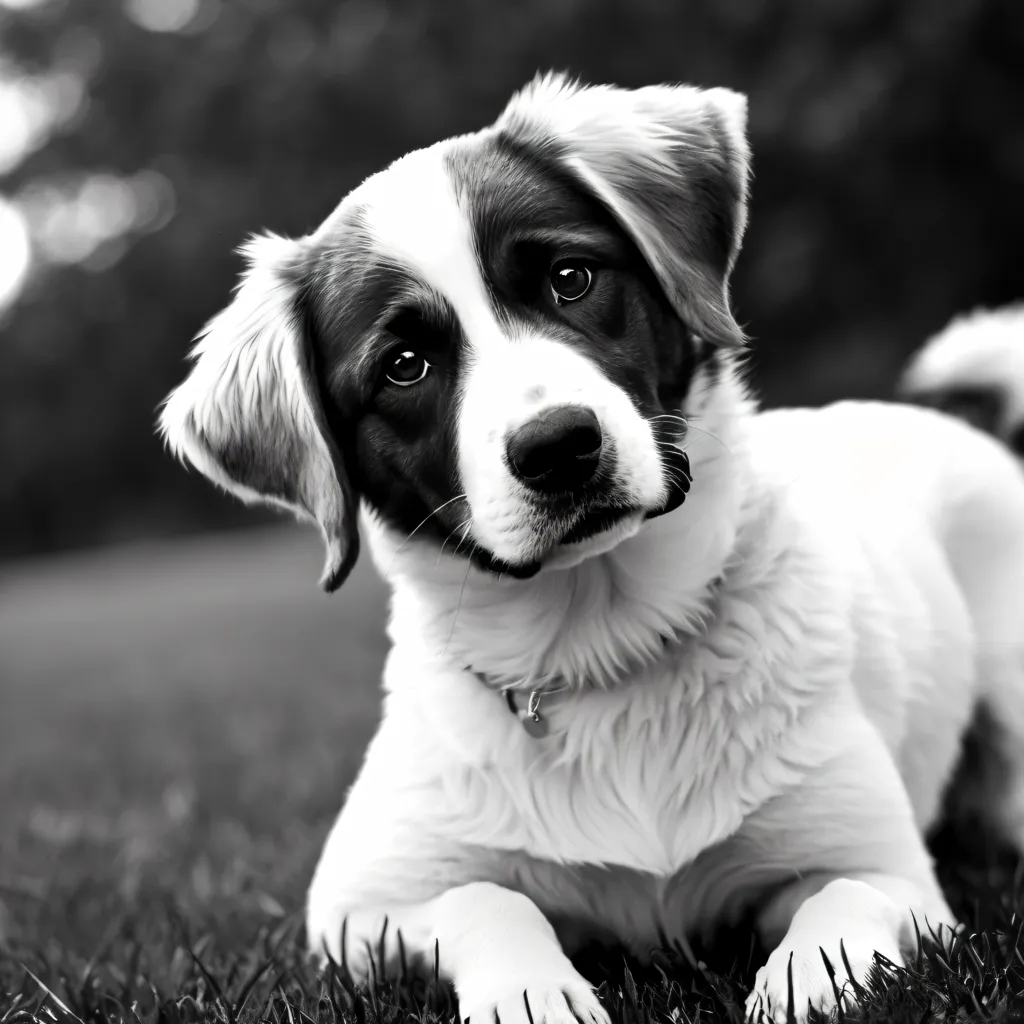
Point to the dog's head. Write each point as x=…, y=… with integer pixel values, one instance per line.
x=489, y=342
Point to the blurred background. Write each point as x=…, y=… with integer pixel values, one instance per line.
x=180, y=714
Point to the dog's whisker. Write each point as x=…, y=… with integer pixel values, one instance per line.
x=461, y=526
x=458, y=607
x=398, y=550
x=714, y=437
x=688, y=424
x=465, y=536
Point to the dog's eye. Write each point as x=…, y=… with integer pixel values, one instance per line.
x=406, y=368
x=570, y=280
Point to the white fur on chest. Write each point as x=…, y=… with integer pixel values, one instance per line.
x=645, y=776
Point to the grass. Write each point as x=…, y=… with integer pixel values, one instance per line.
x=178, y=724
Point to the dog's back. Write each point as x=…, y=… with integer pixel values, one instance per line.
x=974, y=370
x=939, y=506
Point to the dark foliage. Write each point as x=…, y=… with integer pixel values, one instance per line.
x=889, y=151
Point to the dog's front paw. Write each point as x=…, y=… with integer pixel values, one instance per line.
x=801, y=967
x=571, y=1003
x=827, y=953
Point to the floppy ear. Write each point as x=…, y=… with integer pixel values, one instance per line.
x=671, y=163
x=248, y=415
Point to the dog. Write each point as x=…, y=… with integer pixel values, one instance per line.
x=658, y=659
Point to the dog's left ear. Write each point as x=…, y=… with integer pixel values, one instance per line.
x=671, y=163
x=249, y=416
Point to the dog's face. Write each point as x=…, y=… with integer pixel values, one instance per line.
x=489, y=342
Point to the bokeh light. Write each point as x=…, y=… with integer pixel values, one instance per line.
x=71, y=219
x=162, y=15
x=32, y=107
x=15, y=252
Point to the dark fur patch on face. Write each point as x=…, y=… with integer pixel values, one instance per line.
x=687, y=206
x=527, y=215
x=399, y=443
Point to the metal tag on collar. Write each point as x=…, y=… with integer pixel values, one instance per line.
x=530, y=718
x=534, y=725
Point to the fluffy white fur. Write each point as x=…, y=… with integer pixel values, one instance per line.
x=982, y=350
x=840, y=588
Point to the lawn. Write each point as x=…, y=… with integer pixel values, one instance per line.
x=178, y=723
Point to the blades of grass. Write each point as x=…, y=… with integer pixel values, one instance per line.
x=920, y=944
x=756, y=1014
x=831, y=972
x=288, y=1007
x=218, y=995
x=275, y=986
x=340, y=974
x=133, y=968
x=330, y=981
x=53, y=996
x=247, y=987
x=977, y=1006
x=977, y=968
x=15, y=1003
x=382, y=949
x=526, y=1003
x=790, y=998
x=403, y=964
x=104, y=945
x=629, y=986
x=858, y=988
x=372, y=988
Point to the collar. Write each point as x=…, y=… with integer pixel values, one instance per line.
x=529, y=712
x=535, y=724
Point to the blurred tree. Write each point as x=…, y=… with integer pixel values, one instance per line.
x=889, y=156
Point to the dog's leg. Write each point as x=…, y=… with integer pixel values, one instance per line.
x=397, y=881
x=493, y=943
x=845, y=920
x=864, y=884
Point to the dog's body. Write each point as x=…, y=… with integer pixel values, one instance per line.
x=860, y=566
x=751, y=702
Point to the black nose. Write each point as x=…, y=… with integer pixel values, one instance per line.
x=556, y=451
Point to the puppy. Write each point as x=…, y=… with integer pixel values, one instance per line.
x=657, y=659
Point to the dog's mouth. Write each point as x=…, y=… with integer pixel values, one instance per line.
x=592, y=523
x=596, y=521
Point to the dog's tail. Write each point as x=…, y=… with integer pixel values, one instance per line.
x=974, y=369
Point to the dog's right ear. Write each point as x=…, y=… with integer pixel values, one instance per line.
x=670, y=163
x=249, y=417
